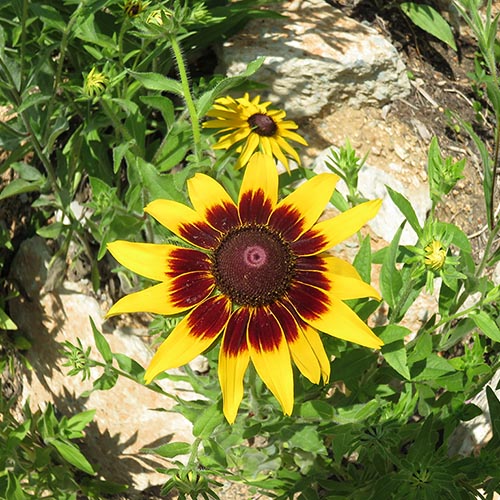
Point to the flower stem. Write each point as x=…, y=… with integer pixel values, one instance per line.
x=176, y=48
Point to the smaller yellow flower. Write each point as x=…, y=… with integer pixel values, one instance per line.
x=435, y=255
x=95, y=83
x=155, y=17
x=251, y=127
x=133, y=8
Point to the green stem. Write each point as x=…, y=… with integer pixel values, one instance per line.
x=24, y=33
x=193, y=457
x=59, y=69
x=187, y=92
x=495, y=170
x=117, y=124
x=16, y=97
x=403, y=297
x=152, y=387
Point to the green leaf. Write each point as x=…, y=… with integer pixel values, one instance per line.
x=72, y=455
x=78, y=422
x=163, y=104
x=157, y=185
x=169, y=450
x=207, y=421
x=315, y=409
x=5, y=322
x=494, y=409
x=307, y=439
x=129, y=366
x=363, y=260
x=493, y=92
x=51, y=231
x=207, y=99
x=394, y=349
x=101, y=343
x=390, y=277
x=14, y=490
x=19, y=186
x=486, y=324
x=431, y=368
x=155, y=81
x=487, y=163
x=431, y=21
x=406, y=209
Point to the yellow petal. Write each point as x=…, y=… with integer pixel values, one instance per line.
x=279, y=155
x=259, y=189
x=345, y=288
x=184, y=222
x=147, y=259
x=287, y=148
x=172, y=214
x=316, y=344
x=192, y=336
x=340, y=321
x=251, y=144
x=155, y=299
x=287, y=134
x=309, y=355
x=346, y=224
x=340, y=267
x=212, y=202
x=233, y=362
x=271, y=357
x=304, y=206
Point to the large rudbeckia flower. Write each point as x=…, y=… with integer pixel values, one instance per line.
x=258, y=276
x=250, y=127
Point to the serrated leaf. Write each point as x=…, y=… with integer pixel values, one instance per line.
x=72, y=455
x=157, y=185
x=431, y=21
x=486, y=324
x=155, y=81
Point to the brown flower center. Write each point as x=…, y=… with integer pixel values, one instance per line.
x=253, y=266
x=263, y=124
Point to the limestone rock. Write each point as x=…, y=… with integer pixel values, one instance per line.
x=317, y=56
x=125, y=420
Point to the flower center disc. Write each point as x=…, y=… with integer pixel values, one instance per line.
x=262, y=124
x=253, y=266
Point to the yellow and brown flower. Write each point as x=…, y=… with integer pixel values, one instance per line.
x=249, y=126
x=257, y=274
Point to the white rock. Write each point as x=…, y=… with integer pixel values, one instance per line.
x=371, y=183
x=317, y=56
x=125, y=420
